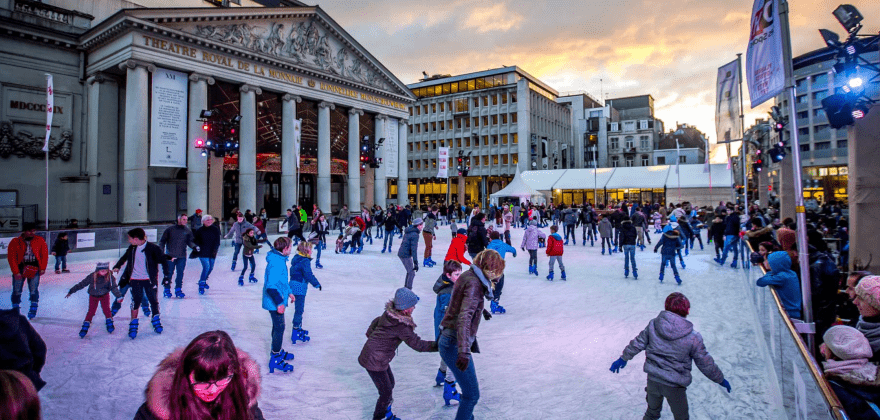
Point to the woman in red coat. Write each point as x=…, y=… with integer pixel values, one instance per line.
x=458, y=247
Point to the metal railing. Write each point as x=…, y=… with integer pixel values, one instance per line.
x=801, y=385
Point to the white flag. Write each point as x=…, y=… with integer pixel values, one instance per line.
x=50, y=109
x=677, y=156
x=765, y=67
x=297, y=131
x=442, y=162
x=727, y=103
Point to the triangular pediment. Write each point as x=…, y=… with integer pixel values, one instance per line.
x=302, y=37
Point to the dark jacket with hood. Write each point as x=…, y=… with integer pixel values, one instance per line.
x=158, y=389
x=671, y=242
x=628, y=233
x=61, y=247
x=732, y=224
x=154, y=258
x=98, y=285
x=22, y=349
x=717, y=230
x=385, y=334
x=443, y=289
x=784, y=281
x=477, y=237
x=409, y=245
x=462, y=318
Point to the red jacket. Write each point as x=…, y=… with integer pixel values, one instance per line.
x=457, y=249
x=360, y=223
x=18, y=247
x=554, y=245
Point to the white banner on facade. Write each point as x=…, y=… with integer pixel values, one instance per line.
x=168, y=122
x=297, y=136
x=765, y=69
x=443, y=162
x=85, y=240
x=727, y=102
x=50, y=109
x=390, y=148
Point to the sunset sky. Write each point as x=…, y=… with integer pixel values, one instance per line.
x=670, y=49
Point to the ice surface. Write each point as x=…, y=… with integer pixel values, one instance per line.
x=546, y=358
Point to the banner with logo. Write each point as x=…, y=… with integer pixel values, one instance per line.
x=727, y=103
x=765, y=67
x=443, y=162
x=389, y=160
x=85, y=240
x=50, y=109
x=168, y=119
x=297, y=135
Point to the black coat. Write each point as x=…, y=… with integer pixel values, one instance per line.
x=628, y=233
x=390, y=222
x=154, y=258
x=616, y=217
x=208, y=240
x=731, y=224
x=477, y=237
x=61, y=247
x=21, y=348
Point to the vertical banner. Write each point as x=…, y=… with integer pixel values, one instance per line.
x=727, y=125
x=391, y=147
x=168, y=122
x=765, y=69
x=443, y=162
x=677, y=156
x=297, y=135
x=50, y=109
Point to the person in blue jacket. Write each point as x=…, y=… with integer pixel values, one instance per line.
x=785, y=281
x=502, y=248
x=276, y=291
x=300, y=274
x=671, y=243
x=443, y=289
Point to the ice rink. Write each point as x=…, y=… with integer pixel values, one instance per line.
x=548, y=357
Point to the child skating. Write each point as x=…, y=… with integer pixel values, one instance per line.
x=300, y=274
x=502, y=248
x=554, y=251
x=59, y=250
x=605, y=232
x=100, y=283
x=671, y=346
x=250, y=245
x=530, y=244
x=276, y=292
x=658, y=219
x=671, y=243
x=443, y=289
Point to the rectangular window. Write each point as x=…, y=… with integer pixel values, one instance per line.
x=442, y=105
x=661, y=160
x=801, y=99
x=434, y=145
x=612, y=143
x=513, y=117
x=515, y=139
x=820, y=95
x=682, y=159
x=643, y=124
x=458, y=143
x=615, y=162
x=433, y=126
x=644, y=160
x=480, y=83
x=825, y=145
x=494, y=99
x=614, y=126
x=818, y=113
x=410, y=165
x=442, y=125
x=629, y=126
x=476, y=161
x=841, y=144
x=485, y=121
x=453, y=88
x=410, y=111
x=495, y=120
x=485, y=140
x=513, y=99
x=418, y=165
x=410, y=129
x=630, y=142
x=503, y=118
x=476, y=122
x=805, y=147
x=494, y=139
x=629, y=161
x=485, y=100
x=461, y=105
x=643, y=142
x=514, y=159
x=504, y=159
x=503, y=98
x=495, y=159
x=504, y=139
x=467, y=142
x=433, y=108
x=804, y=131
x=803, y=115
x=485, y=160
x=410, y=147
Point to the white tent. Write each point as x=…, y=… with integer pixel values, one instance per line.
x=518, y=188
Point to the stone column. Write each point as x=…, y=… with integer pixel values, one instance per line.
x=864, y=189
x=135, y=163
x=247, y=152
x=197, y=165
x=323, y=191
x=92, y=142
x=523, y=126
x=402, y=165
x=354, y=158
x=289, y=164
x=381, y=186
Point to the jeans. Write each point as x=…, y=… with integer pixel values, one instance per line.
x=248, y=259
x=676, y=396
x=178, y=264
x=408, y=264
x=569, y=230
x=533, y=257
x=730, y=242
x=320, y=246
x=298, y=307
x=699, y=239
x=616, y=238
x=499, y=287
x=640, y=231
x=139, y=288
x=553, y=260
x=670, y=259
x=384, y=381
x=123, y=290
x=507, y=237
x=60, y=262
x=207, y=267
x=629, y=254
x=237, y=247
x=33, y=288
x=467, y=379
x=277, y=330
x=589, y=233
x=389, y=239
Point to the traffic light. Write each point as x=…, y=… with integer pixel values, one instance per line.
x=758, y=165
x=365, y=152
x=777, y=153
x=779, y=121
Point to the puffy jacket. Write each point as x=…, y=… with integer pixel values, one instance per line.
x=430, y=222
x=477, y=236
x=61, y=247
x=208, y=240
x=443, y=289
x=628, y=233
x=508, y=220
x=501, y=247
x=18, y=247
x=457, y=250
x=276, y=287
x=554, y=245
x=390, y=222
x=23, y=350
x=462, y=317
x=293, y=223
x=409, y=246
x=570, y=216
x=587, y=215
x=638, y=220
x=250, y=244
x=530, y=238
x=784, y=281
x=605, y=228
x=717, y=230
x=615, y=217
x=671, y=346
x=670, y=242
x=385, y=334
x=300, y=274
x=238, y=229
x=98, y=285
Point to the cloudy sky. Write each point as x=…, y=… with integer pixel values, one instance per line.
x=669, y=49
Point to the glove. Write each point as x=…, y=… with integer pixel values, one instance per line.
x=522, y=248
x=756, y=258
x=319, y=288
x=618, y=365
x=462, y=362
x=655, y=251
x=487, y=315
x=726, y=385
x=416, y=266
x=166, y=282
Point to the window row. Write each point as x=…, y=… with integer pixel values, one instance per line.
x=629, y=142
x=461, y=86
x=494, y=140
x=629, y=126
x=460, y=123
x=475, y=161
x=630, y=161
x=462, y=105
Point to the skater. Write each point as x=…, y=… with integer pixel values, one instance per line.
x=671, y=346
x=235, y=232
x=657, y=218
x=28, y=257
x=390, y=224
x=458, y=247
x=59, y=250
x=508, y=222
x=174, y=241
x=276, y=292
x=615, y=218
x=731, y=238
x=674, y=225
x=318, y=236
x=207, y=238
x=22, y=349
x=142, y=272
x=100, y=283
x=478, y=237
x=461, y=323
x=195, y=221
x=587, y=219
x=641, y=225
x=605, y=232
x=443, y=289
x=671, y=243
x=358, y=238
x=210, y=379
x=300, y=274
x=716, y=233
x=409, y=252
x=570, y=221
x=351, y=236
x=294, y=228
x=502, y=249
x=628, y=236
x=429, y=236
x=342, y=218
x=530, y=244
x=554, y=251
x=250, y=245
x=367, y=218
x=696, y=229
x=384, y=335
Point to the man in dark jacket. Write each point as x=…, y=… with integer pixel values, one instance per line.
x=142, y=275
x=825, y=278
x=616, y=217
x=570, y=221
x=717, y=234
x=588, y=221
x=174, y=241
x=390, y=224
x=628, y=237
x=409, y=252
x=641, y=224
x=403, y=219
x=478, y=238
x=21, y=348
x=294, y=227
x=731, y=238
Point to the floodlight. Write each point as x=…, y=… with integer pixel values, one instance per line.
x=831, y=38
x=855, y=82
x=236, y=119
x=849, y=17
x=207, y=113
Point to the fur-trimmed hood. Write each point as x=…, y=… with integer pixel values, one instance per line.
x=160, y=385
x=394, y=314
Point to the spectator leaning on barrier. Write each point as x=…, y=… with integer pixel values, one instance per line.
x=785, y=282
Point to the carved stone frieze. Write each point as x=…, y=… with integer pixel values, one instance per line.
x=25, y=144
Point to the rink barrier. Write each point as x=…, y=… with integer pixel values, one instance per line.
x=801, y=386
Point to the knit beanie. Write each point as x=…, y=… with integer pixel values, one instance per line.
x=490, y=263
x=404, y=299
x=418, y=221
x=102, y=266
x=461, y=231
x=847, y=343
x=868, y=291
x=787, y=238
x=533, y=223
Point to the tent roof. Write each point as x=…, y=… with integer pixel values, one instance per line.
x=692, y=176
x=542, y=180
x=638, y=177
x=583, y=179
x=516, y=188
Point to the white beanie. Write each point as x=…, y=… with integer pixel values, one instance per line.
x=847, y=343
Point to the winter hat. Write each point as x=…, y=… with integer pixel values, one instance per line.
x=418, y=221
x=868, y=291
x=533, y=223
x=102, y=266
x=847, y=343
x=461, y=231
x=491, y=263
x=787, y=238
x=198, y=211
x=404, y=299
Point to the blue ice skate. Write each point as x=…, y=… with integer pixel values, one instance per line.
x=84, y=330
x=496, y=308
x=276, y=361
x=550, y=276
x=133, y=328
x=389, y=415
x=157, y=324
x=563, y=275
x=33, y=312
x=450, y=393
x=252, y=279
x=318, y=264
x=167, y=292
x=626, y=274
x=110, y=327
x=299, y=335
x=678, y=280
x=178, y=293
x=440, y=379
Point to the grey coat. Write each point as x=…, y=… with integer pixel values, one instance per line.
x=177, y=238
x=670, y=343
x=871, y=330
x=409, y=247
x=570, y=216
x=238, y=229
x=605, y=228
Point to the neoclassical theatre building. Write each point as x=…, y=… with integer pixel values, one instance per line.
x=129, y=92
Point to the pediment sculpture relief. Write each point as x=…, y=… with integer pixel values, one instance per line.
x=25, y=144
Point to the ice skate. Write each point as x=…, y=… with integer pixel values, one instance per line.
x=146, y=309
x=157, y=324
x=496, y=308
x=318, y=264
x=285, y=355
x=241, y=280
x=133, y=328
x=84, y=330
x=167, y=292
x=682, y=265
x=110, y=327
x=178, y=293
x=383, y=249
x=678, y=280
x=389, y=415
x=635, y=275
x=550, y=276
x=201, y=288
x=450, y=393
x=57, y=271
x=253, y=279
x=440, y=379
x=626, y=274
x=233, y=265
x=276, y=361
x=661, y=277
x=562, y=276
x=299, y=335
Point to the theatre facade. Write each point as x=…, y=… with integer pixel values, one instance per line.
x=130, y=91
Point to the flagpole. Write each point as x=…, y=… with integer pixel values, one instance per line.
x=50, y=109
x=677, y=163
x=742, y=122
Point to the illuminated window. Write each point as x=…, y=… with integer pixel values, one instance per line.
x=418, y=164
x=495, y=160
x=504, y=139
x=433, y=126
x=442, y=104
x=454, y=87
x=485, y=121
x=410, y=111
x=494, y=139
x=504, y=98
x=504, y=159
x=410, y=147
x=410, y=165
x=514, y=159
x=485, y=160
x=513, y=99
x=495, y=120
x=434, y=145
x=442, y=125
x=494, y=99
x=485, y=140
x=467, y=142
x=476, y=102
x=458, y=143
x=515, y=139
x=471, y=84
x=503, y=118
x=433, y=108
x=513, y=117
x=425, y=109
x=480, y=83
x=418, y=147
x=485, y=101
